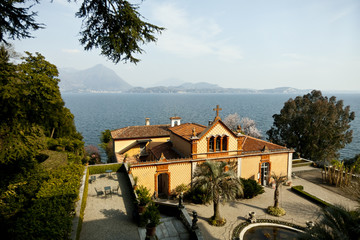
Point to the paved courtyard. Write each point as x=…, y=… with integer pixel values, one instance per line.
x=111, y=217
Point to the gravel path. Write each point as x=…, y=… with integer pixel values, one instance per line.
x=109, y=217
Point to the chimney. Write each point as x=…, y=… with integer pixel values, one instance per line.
x=175, y=121
x=147, y=121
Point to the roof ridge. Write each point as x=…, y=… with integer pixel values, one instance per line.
x=261, y=140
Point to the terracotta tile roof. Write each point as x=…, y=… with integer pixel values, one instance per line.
x=141, y=132
x=166, y=149
x=185, y=130
x=254, y=144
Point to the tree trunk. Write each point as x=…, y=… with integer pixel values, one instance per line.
x=216, y=216
x=276, y=196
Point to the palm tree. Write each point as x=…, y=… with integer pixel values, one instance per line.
x=278, y=181
x=218, y=180
x=336, y=223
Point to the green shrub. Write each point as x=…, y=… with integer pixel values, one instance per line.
x=251, y=188
x=182, y=188
x=300, y=190
x=63, y=181
x=217, y=223
x=96, y=169
x=143, y=195
x=152, y=215
x=47, y=204
x=47, y=218
x=276, y=211
x=298, y=187
x=197, y=195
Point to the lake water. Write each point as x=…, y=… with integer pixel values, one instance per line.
x=96, y=112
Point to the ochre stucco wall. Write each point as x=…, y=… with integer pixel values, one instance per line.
x=145, y=176
x=181, y=145
x=180, y=173
x=250, y=167
x=279, y=163
x=218, y=129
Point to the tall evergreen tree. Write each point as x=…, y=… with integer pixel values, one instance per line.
x=314, y=125
x=114, y=26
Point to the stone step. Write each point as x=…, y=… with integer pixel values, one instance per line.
x=170, y=229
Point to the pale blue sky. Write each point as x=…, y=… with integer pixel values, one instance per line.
x=307, y=44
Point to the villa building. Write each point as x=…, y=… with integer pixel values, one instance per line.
x=165, y=156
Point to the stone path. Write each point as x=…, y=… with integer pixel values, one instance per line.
x=170, y=229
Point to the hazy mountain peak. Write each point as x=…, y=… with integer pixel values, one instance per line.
x=94, y=79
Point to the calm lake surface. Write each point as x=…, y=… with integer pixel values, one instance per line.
x=96, y=112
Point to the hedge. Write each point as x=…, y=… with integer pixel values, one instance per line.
x=83, y=205
x=48, y=213
x=300, y=190
x=101, y=168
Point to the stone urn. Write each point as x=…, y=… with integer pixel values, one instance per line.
x=252, y=218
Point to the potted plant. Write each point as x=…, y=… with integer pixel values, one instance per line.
x=144, y=197
x=135, y=182
x=152, y=217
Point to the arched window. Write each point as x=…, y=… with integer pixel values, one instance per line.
x=211, y=144
x=218, y=143
x=225, y=143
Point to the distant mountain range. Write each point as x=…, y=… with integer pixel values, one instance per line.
x=100, y=79
x=96, y=79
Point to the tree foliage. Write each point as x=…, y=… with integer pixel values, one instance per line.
x=232, y=121
x=17, y=21
x=39, y=203
x=107, y=144
x=219, y=182
x=29, y=94
x=248, y=126
x=31, y=110
x=335, y=223
x=353, y=163
x=114, y=26
x=314, y=125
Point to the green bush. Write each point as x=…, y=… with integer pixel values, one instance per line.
x=47, y=204
x=152, y=215
x=276, y=211
x=47, y=218
x=143, y=195
x=182, y=188
x=251, y=188
x=63, y=181
x=96, y=169
x=197, y=195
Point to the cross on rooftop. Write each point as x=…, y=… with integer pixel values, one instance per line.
x=217, y=109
